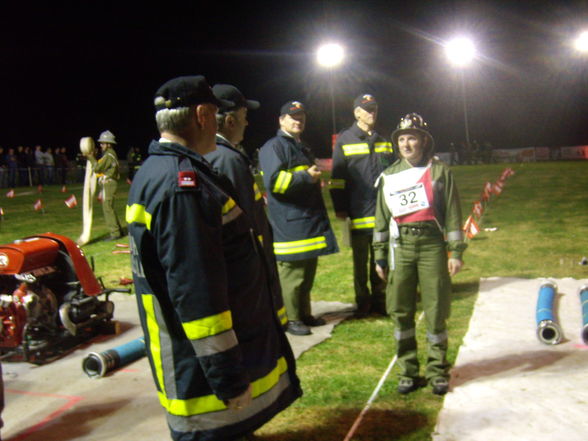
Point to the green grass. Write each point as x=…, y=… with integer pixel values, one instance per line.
x=542, y=222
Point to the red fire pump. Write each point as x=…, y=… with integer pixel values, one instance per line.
x=49, y=299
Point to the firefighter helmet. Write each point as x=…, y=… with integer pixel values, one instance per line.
x=107, y=137
x=413, y=122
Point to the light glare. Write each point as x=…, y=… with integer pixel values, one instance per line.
x=330, y=55
x=460, y=51
x=581, y=42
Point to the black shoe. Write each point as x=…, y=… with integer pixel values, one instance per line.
x=297, y=327
x=440, y=385
x=312, y=321
x=407, y=385
x=362, y=310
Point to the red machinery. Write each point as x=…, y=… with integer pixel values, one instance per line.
x=48, y=299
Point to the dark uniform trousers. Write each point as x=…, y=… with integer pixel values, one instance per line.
x=297, y=278
x=363, y=268
x=420, y=257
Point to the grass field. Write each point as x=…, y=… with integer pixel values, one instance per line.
x=542, y=225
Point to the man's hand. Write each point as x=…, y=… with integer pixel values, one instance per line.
x=454, y=266
x=314, y=173
x=241, y=401
x=382, y=272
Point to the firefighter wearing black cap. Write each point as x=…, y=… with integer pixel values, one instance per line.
x=221, y=362
x=419, y=241
x=359, y=156
x=301, y=226
x=230, y=159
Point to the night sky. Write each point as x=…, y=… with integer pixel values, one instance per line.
x=73, y=71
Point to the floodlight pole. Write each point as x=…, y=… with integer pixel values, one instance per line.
x=465, y=106
x=332, y=93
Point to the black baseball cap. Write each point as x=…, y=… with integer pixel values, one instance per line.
x=186, y=91
x=231, y=93
x=366, y=102
x=292, y=108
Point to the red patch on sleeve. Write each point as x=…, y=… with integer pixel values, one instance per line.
x=187, y=179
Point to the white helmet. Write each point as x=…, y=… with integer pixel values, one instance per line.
x=107, y=137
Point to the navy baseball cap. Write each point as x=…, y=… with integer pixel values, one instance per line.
x=231, y=93
x=292, y=108
x=366, y=102
x=186, y=91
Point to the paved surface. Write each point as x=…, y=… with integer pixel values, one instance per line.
x=58, y=401
x=506, y=385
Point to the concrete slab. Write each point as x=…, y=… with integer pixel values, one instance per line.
x=506, y=384
x=58, y=401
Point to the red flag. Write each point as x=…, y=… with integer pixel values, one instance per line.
x=497, y=188
x=39, y=188
x=10, y=193
x=473, y=229
x=38, y=205
x=71, y=201
x=466, y=225
x=478, y=209
x=64, y=189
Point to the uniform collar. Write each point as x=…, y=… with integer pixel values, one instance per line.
x=223, y=142
x=169, y=148
x=362, y=134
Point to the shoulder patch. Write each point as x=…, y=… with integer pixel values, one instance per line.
x=187, y=179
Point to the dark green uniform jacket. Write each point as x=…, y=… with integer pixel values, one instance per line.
x=297, y=211
x=205, y=300
x=358, y=160
x=236, y=166
x=445, y=206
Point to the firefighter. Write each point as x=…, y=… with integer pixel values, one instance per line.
x=220, y=360
x=301, y=226
x=230, y=159
x=359, y=156
x=418, y=241
x=107, y=170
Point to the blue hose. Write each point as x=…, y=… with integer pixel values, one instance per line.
x=548, y=330
x=584, y=303
x=97, y=365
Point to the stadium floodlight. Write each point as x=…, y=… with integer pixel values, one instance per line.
x=581, y=42
x=460, y=51
x=330, y=55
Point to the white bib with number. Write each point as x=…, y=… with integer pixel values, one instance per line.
x=404, y=194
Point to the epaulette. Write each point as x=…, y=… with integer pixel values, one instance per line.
x=187, y=177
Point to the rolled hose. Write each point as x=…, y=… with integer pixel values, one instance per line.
x=548, y=330
x=98, y=364
x=584, y=302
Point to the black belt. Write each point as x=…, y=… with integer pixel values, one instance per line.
x=416, y=230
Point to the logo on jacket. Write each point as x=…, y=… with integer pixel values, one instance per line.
x=187, y=179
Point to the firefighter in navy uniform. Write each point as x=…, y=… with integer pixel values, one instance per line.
x=359, y=156
x=419, y=241
x=220, y=360
x=301, y=226
x=230, y=160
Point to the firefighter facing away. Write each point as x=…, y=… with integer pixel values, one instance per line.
x=220, y=360
x=419, y=243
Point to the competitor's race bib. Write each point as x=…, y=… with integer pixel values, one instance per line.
x=408, y=200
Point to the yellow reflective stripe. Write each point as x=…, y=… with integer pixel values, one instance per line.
x=298, y=168
x=229, y=205
x=154, y=344
x=282, y=315
x=207, y=326
x=300, y=246
x=364, y=222
x=282, y=182
x=138, y=213
x=381, y=147
x=210, y=403
x=257, y=192
x=355, y=149
x=260, y=238
x=337, y=183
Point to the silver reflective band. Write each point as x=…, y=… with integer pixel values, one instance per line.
x=381, y=236
x=232, y=215
x=455, y=235
x=402, y=335
x=215, y=343
x=437, y=338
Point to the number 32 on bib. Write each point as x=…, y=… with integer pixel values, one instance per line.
x=408, y=200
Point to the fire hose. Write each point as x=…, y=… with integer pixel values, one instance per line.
x=584, y=303
x=98, y=364
x=548, y=330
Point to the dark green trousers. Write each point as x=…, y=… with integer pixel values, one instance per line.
x=420, y=260
x=110, y=217
x=363, y=268
x=296, y=279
